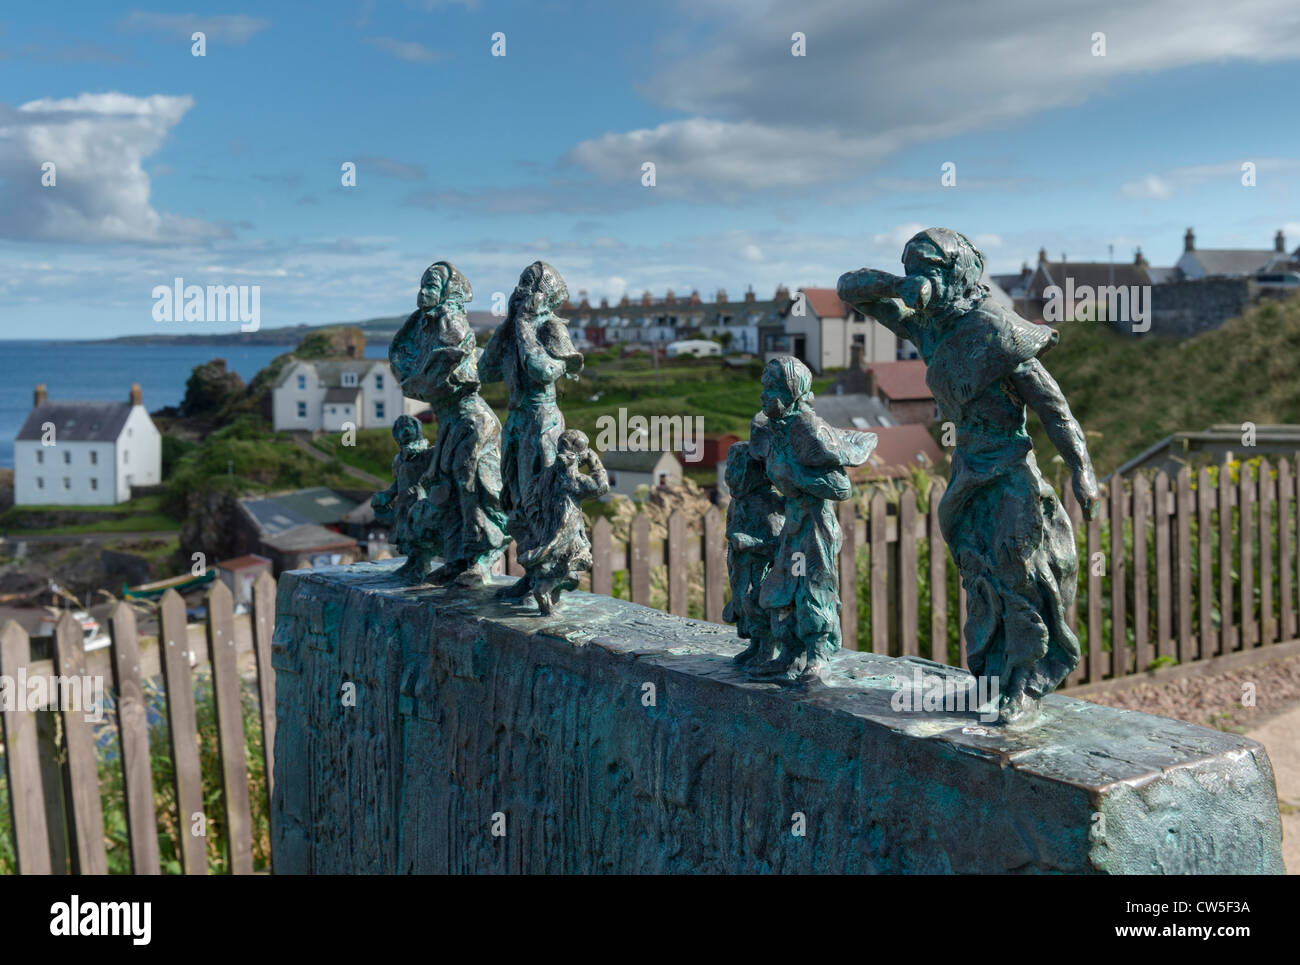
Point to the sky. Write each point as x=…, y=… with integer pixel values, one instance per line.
x=492, y=134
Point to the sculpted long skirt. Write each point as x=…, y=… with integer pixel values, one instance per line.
x=1015, y=550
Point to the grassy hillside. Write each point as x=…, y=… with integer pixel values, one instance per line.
x=1129, y=392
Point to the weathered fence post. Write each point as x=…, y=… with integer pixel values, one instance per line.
x=133, y=740
x=22, y=764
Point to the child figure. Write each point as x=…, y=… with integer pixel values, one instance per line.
x=754, y=520
x=557, y=551
x=394, y=505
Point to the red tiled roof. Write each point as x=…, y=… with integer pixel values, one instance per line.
x=896, y=452
x=901, y=381
x=825, y=302
x=243, y=562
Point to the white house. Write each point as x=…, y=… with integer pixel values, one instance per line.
x=630, y=469
x=312, y=395
x=85, y=453
x=1197, y=263
x=699, y=347
x=824, y=333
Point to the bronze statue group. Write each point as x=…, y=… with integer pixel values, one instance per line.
x=479, y=486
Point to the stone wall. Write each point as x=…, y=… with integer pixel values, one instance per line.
x=423, y=730
x=1190, y=307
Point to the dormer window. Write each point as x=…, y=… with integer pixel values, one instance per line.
x=349, y=379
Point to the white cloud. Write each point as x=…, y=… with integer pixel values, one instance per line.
x=700, y=152
x=235, y=29
x=101, y=192
x=758, y=118
x=408, y=50
x=1152, y=186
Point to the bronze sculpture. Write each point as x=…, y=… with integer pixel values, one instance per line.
x=1012, y=541
x=434, y=357
x=557, y=551
x=530, y=351
x=806, y=460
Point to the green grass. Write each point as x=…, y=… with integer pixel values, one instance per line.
x=1130, y=392
x=373, y=451
x=143, y=514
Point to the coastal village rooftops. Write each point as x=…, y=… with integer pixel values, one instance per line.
x=826, y=303
x=280, y=512
x=899, y=449
x=77, y=421
x=901, y=381
x=331, y=372
x=628, y=460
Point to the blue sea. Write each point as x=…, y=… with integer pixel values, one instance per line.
x=104, y=371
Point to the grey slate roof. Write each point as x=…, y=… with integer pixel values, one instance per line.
x=77, y=421
x=308, y=537
x=841, y=410
x=331, y=372
x=1235, y=261
x=348, y=395
x=282, y=512
x=626, y=460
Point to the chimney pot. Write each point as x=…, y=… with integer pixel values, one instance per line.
x=39, y=396
x=1189, y=240
x=1279, y=242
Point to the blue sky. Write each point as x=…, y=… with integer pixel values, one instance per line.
x=770, y=168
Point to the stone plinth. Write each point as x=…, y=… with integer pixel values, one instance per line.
x=615, y=738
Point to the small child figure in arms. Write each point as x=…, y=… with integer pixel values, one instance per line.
x=559, y=551
x=393, y=507
x=754, y=520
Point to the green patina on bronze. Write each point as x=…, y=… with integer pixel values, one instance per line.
x=530, y=351
x=454, y=511
x=1007, y=531
x=805, y=459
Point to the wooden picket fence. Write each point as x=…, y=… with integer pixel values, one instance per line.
x=1214, y=576
x=1172, y=571
x=54, y=791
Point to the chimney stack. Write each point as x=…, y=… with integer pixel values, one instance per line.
x=1042, y=256
x=722, y=296
x=1279, y=242
x=38, y=397
x=137, y=397
x=1189, y=241
x=749, y=295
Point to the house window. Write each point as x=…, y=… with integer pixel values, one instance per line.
x=379, y=381
x=302, y=410
x=40, y=482
x=94, y=458
x=40, y=457
x=349, y=379
x=67, y=483
x=333, y=410
x=67, y=458
x=94, y=483
x=302, y=382
x=379, y=410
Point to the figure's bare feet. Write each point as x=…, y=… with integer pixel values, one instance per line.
x=517, y=590
x=413, y=572
x=473, y=576
x=445, y=574
x=756, y=653
x=814, y=671
x=784, y=669
x=1018, y=710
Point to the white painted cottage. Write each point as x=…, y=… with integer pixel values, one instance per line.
x=326, y=395
x=85, y=453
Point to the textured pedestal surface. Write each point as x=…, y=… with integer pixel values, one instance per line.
x=615, y=738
